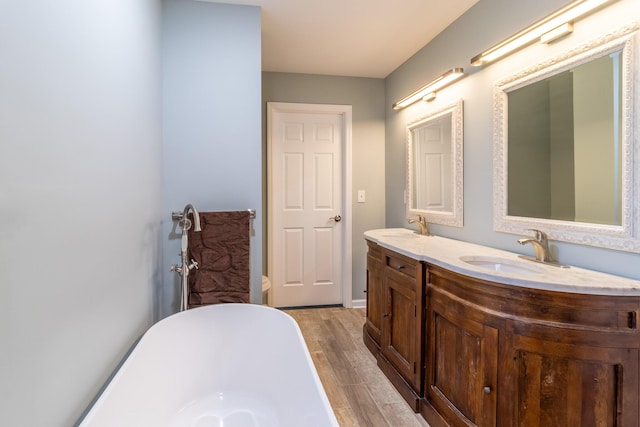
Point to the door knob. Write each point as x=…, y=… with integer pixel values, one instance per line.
x=336, y=218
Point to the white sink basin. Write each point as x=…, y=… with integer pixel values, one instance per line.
x=503, y=265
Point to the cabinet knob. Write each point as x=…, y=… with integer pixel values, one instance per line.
x=385, y=314
x=487, y=389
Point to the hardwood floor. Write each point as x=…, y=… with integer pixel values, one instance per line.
x=358, y=391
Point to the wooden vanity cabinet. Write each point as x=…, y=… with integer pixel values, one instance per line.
x=572, y=382
x=373, y=323
x=501, y=355
x=401, y=344
x=461, y=361
x=469, y=352
x=394, y=321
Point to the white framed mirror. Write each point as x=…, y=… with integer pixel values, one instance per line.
x=435, y=166
x=566, y=146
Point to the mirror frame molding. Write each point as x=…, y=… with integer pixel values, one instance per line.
x=455, y=216
x=625, y=237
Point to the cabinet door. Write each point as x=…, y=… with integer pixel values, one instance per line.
x=399, y=333
x=462, y=360
x=375, y=302
x=559, y=384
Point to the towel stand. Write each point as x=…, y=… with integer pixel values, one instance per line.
x=177, y=216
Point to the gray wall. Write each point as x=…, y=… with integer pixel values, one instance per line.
x=488, y=22
x=211, y=122
x=80, y=198
x=366, y=96
x=87, y=188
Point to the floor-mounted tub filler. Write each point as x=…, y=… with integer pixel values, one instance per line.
x=231, y=365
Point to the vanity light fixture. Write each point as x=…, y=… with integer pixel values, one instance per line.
x=427, y=92
x=549, y=28
x=429, y=97
x=556, y=33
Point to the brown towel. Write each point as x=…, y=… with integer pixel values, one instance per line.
x=221, y=250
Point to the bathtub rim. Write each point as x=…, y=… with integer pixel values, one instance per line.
x=93, y=408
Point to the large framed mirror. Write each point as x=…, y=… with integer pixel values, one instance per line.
x=435, y=166
x=566, y=148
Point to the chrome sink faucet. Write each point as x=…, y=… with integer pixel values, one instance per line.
x=423, y=226
x=540, y=244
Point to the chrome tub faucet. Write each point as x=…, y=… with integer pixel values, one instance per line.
x=186, y=264
x=196, y=218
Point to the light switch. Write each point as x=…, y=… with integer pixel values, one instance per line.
x=361, y=196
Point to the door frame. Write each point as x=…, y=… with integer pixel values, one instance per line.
x=346, y=112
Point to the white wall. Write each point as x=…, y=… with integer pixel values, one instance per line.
x=80, y=198
x=211, y=122
x=366, y=96
x=485, y=24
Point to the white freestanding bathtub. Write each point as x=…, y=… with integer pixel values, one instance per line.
x=227, y=365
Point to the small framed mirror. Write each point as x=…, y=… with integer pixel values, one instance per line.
x=435, y=166
x=565, y=147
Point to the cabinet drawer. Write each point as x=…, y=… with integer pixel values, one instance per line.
x=594, y=312
x=404, y=265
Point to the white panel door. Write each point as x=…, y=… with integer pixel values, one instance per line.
x=305, y=208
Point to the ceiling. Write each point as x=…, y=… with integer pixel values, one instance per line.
x=360, y=38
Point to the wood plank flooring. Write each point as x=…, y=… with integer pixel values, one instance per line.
x=361, y=396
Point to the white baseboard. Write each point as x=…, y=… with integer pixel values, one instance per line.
x=359, y=303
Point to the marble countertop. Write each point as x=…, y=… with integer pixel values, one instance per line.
x=449, y=254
